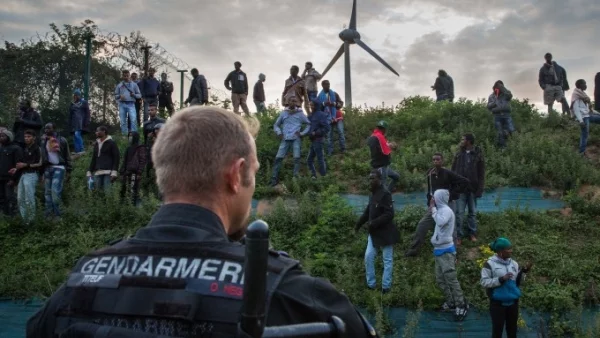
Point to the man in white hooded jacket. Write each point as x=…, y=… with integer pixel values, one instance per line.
x=445, y=254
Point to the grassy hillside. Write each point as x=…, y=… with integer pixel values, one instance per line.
x=562, y=244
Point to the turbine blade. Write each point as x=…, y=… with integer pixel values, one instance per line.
x=334, y=60
x=370, y=51
x=353, y=16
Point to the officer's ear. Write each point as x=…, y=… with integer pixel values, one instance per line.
x=234, y=176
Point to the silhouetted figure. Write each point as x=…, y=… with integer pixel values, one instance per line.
x=553, y=81
x=444, y=87
x=165, y=101
x=237, y=83
x=258, y=93
x=198, y=94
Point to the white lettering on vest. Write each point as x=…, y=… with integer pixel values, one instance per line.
x=169, y=267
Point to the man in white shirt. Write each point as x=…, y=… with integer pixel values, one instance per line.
x=581, y=106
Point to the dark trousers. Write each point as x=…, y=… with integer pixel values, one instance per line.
x=131, y=182
x=504, y=315
x=8, y=199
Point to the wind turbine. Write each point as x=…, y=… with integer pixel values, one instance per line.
x=351, y=36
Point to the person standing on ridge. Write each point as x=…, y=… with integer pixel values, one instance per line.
x=126, y=93
x=150, y=89
x=437, y=178
x=444, y=87
x=207, y=188
x=79, y=120
x=198, y=94
x=311, y=77
x=501, y=278
x=581, y=105
x=381, y=155
x=138, y=104
x=237, y=83
x=288, y=128
x=444, y=251
x=165, y=99
x=552, y=79
x=295, y=87
x=319, y=129
x=332, y=102
x=597, y=91
x=499, y=105
x=378, y=218
x=469, y=163
x=258, y=94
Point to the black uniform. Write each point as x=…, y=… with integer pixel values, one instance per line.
x=182, y=276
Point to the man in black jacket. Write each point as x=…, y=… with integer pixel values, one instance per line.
x=383, y=234
x=438, y=177
x=105, y=160
x=237, y=83
x=198, y=94
x=597, y=92
x=27, y=118
x=552, y=79
x=469, y=163
x=165, y=100
x=56, y=158
x=28, y=171
x=10, y=155
x=183, y=273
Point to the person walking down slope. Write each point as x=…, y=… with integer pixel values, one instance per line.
x=469, y=163
x=237, y=83
x=444, y=251
x=79, y=120
x=378, y=218
x=381, y=155
x=319, y=129
x=499, y=105
x=444, y=87
x=552, y=80
x=258, y=94
x=287, y=127
x=581, y=106
x=57, y=166
x=501, y=277
x=437, y=178
x=198, y=94
x=132, y=168
x=105, y=160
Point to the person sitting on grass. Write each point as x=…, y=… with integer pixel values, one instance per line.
x=501, y=278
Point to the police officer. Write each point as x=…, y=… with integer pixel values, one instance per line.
x=182, y=275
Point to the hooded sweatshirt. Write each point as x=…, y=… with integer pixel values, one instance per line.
x=442, y=239
x=492, y=270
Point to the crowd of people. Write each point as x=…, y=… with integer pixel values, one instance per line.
x=30, y=154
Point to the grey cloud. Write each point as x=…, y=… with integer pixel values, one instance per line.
x=268, y=36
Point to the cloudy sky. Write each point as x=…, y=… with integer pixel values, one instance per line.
x=476, y=41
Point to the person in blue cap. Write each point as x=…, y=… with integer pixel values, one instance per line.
x=502, y=277
x=79, y=119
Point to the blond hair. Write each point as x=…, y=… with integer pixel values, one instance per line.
x=196, y=144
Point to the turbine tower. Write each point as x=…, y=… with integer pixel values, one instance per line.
x=351, y=36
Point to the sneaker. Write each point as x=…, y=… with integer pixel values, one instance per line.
x=371, y=287
x=447, y=308
x=384, y=291
x=461, y=312
x=473, y=238
x=411, y=253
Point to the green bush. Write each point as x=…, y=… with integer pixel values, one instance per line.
x=315, y=225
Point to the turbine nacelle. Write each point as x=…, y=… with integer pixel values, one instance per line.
x=348, y=35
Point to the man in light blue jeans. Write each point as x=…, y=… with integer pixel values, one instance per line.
x=287, y=127
x=126, y=93
x=378, y=218
x=28, y=169
x=56, y=157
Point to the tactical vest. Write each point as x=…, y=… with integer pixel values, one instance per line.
x=181, y=290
